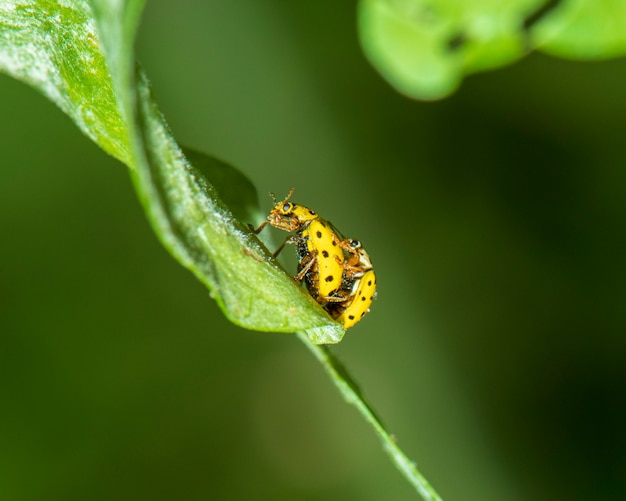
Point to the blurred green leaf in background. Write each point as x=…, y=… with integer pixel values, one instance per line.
x=424, y=48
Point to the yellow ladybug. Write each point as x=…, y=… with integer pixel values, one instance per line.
x=338, y=273
x=358, y=286
x=358, y=302
x=320, y=255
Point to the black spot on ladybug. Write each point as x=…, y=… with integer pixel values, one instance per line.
x=369, y=283
x=351, y=317
x=329, y=278
x=325, y=253
x=312, y=212
x=363, y=314
x=334, y=243
x=319, y=234
x=363, y=298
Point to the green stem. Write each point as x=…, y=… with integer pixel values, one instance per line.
x=353, y=395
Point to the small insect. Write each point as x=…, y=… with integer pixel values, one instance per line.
x=358, y=261
x=321, y=262
x=320, y=255
x=358, y=303
x=337, y=272
x=288, y=216
x=358, y=286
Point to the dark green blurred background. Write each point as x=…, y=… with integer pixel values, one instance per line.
x=496, y=351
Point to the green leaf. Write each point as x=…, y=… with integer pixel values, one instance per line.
x=80, y=55
x=234, y=189
x=54, y=48
x=584, y=29
x=424, y=48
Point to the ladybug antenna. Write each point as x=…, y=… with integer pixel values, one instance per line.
x=289, y=195
x=285, y=200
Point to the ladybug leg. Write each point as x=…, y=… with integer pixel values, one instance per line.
x=353, y=254
x=307, y=263
x=333, y=299
x=256, y=231
x=289, y=240
x=339, y=296
x=352, y=272
x=277, y=251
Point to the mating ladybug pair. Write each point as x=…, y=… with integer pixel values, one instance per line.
x=337, y=272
